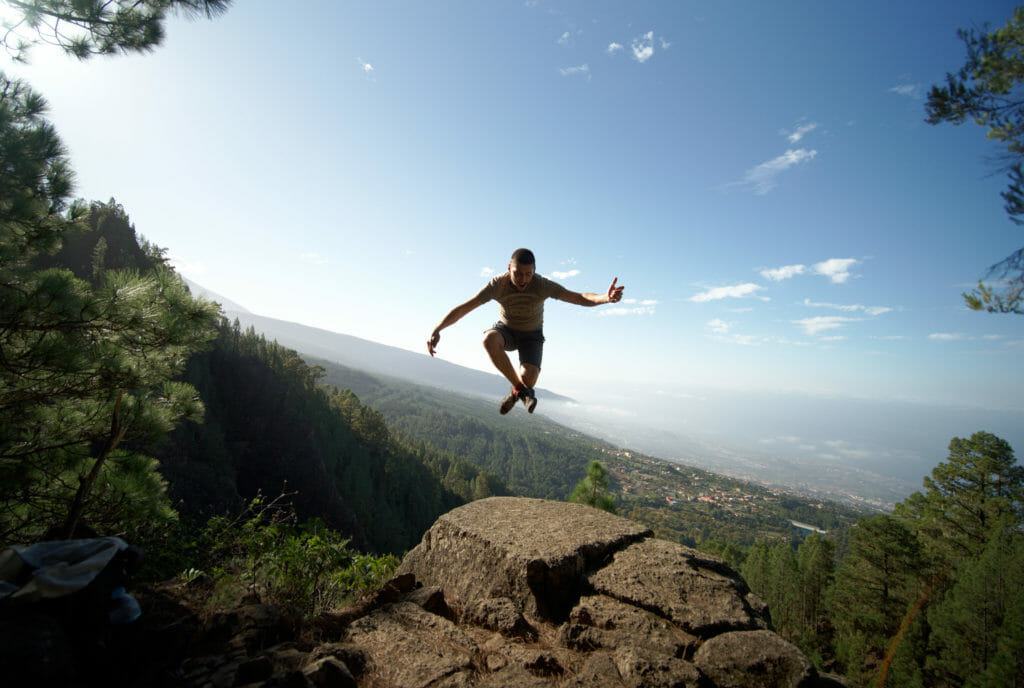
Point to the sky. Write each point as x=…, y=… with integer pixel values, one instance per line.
x=758, y=175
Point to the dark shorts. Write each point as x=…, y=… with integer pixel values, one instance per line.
x=530, y=343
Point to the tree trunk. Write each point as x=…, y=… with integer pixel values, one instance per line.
x=85, y=482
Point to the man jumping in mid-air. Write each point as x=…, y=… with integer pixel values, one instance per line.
x=520, y=294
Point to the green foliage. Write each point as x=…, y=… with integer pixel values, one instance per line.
x=83, y=28
x=978, y=636
x=978, y=488
x=592, y=490
x=989, y=91
x=518, y=455
x=875, y=586
x=272, y=426
x=793, y=581
x=86, y=368
x=266, y=551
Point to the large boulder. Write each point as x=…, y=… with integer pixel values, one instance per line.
x=532, y=551
x=542, y=593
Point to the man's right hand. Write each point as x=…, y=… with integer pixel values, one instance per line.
x=435, y=337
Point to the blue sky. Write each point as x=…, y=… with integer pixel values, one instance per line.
x=758, y=175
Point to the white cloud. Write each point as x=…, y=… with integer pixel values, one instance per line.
x=869, y=310
x=565, y=275
x=583, y=69
x=946, y=336
x=486, y=272
x=822, y=323
x=614, y=48
x=631, y=307
x=915, y=91
x=785, y=272
x=643, y=47
x=800, y=132
x=836, y=269
x=563, y=39
x=719, y=326
x=764, y=177
x=737, y=291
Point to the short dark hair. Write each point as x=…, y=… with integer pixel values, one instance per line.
x=523, y=256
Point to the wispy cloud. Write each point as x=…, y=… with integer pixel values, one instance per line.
x=614, y=47
x=632, y=307
x=737, y=291
x=836, y=269
x=581, y=70
x=486, y=272
x=719, y=326
x=801, y=131
x=852, y=308
x=822, y=323
x=764, y=177
x=785, y=272
x=946, y=336
x=565, y=275
x=563, y=39
x=915, y=91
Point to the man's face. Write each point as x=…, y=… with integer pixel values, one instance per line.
x=521, y=274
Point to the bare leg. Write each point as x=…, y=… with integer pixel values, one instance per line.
x=529, y=374
x=494, y=343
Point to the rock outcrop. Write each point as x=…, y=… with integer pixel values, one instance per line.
x=527, y=592
x=509, y=592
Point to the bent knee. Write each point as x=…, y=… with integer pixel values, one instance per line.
x=493, y=341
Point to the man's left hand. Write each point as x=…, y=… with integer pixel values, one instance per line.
x=614, y=292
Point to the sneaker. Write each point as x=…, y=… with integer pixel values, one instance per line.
x=528, y=397
x=508, y=402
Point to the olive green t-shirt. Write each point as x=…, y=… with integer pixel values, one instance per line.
x=520, y=310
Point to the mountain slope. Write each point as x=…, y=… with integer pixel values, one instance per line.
x=379, y=359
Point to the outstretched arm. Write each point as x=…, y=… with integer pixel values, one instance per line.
x=613, y=295
x=454, y=315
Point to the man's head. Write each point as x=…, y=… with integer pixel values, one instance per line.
x=522, y=268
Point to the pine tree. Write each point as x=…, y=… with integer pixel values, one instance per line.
x=83, y=28
x=875, y=586
x=989, y=91
x=977, y=629
x=980, y=486
x=592, y=490
x=85, y=371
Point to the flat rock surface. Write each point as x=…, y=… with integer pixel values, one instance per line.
x=696, y=591
x=532, y=551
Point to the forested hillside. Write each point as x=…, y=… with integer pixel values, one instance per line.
x=261, y=423
x=539, y=458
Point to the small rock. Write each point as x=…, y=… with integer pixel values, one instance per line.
x=499, y=614
x=329, y=673
x=754, y=659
